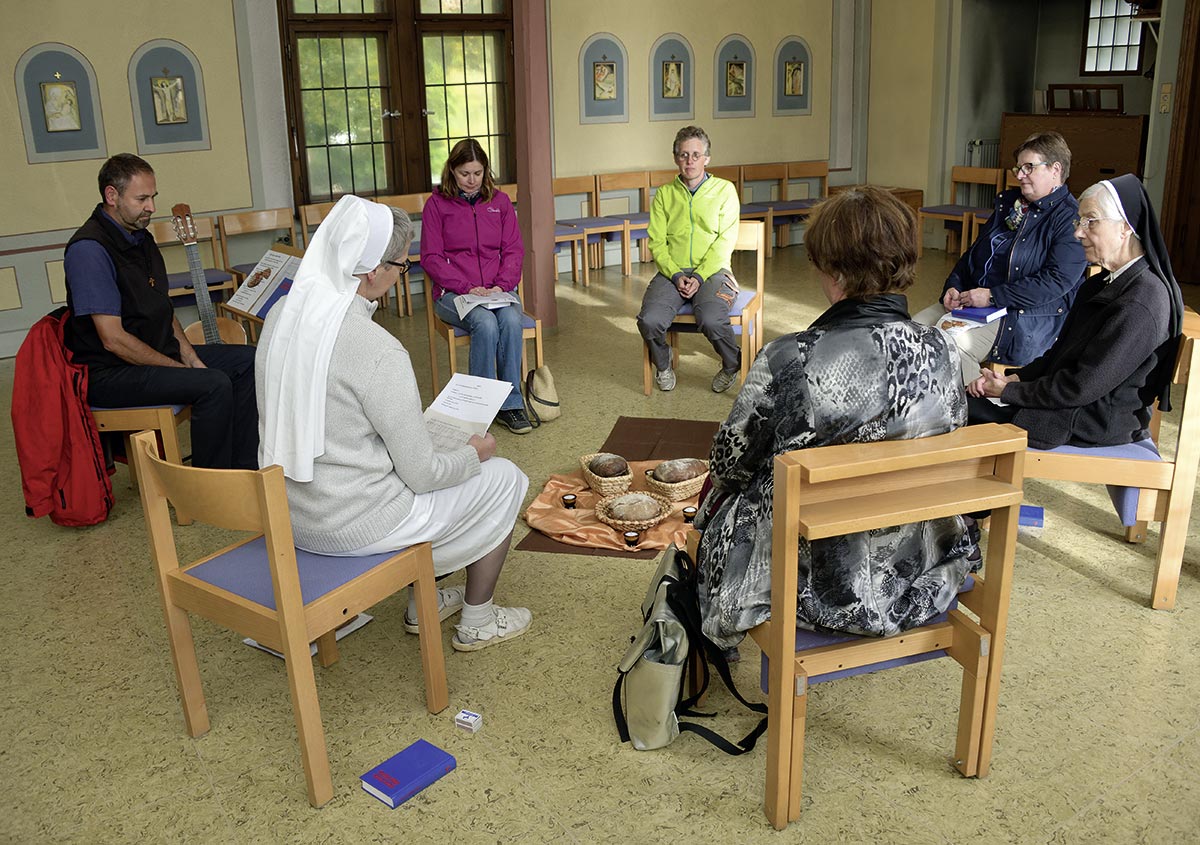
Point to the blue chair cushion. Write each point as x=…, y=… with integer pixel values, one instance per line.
x=177, y=281
x=243, y=571
x=1124, y=499
x=245, y=269
x=806, y=639
x=739, y=304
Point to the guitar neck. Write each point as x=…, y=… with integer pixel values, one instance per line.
x=208, y=315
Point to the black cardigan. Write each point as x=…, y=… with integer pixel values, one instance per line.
x=1093, y=386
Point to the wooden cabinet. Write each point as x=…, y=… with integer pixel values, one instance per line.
x=1102, y=145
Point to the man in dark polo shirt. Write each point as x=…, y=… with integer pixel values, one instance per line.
x=123, y=326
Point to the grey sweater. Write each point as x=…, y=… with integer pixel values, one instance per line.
x=378, y=454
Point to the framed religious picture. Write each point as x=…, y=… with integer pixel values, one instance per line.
x=793, y=79
x=604, y=80
x=735, y=79
x=60, y=107
x=170, y=104
x=672, y=80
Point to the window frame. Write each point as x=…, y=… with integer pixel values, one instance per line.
x=1083, y=47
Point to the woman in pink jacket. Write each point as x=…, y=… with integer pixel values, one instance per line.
x=470, y=244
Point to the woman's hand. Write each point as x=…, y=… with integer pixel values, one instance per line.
x=952, y=299
x=495, y=289
x=484, y=446
x=976, y=298
x=990, y=383
x=479, y=290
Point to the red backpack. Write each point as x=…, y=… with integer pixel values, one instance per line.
x=58, y=447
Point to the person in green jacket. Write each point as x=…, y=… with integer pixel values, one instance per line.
x=693, y=227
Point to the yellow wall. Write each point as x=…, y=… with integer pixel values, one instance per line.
x=642, y=144
x=901, y=125
x=60, y=195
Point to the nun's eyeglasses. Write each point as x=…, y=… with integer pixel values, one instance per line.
x=1085, y=223
x=403, y=267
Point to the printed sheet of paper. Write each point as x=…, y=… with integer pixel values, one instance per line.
x=270, y=281
x=464, y=302
x=466, y=406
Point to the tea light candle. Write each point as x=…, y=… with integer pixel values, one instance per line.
x=568, y=501
x=689, y=514
x=631, y=538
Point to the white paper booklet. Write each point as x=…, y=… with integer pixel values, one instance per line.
x=466, y=406
x=270, y=281
x=466, y=301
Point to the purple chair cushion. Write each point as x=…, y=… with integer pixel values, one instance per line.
x=955, y=210
x=1124, y=499
x=743, y=299
x=806, y=639
x=244, y=572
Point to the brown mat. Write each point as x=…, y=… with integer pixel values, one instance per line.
x=635, y=439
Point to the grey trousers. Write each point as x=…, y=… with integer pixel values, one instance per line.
x=711, y=307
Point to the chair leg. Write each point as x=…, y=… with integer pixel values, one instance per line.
x=1136, y=533
x=646, y=367
x=1170, y=553
x=433, y=352
x=626, y=259
x=584, y=262
x=539, y=357
x=453, y=355
x=673, y=339
x=187, y=672
x=970, y=648
x=796, y=780
x=169, y=437
x=920, y=234
x=327, y=650
x=433, y=659
x=307, y=709
x=574, y=263
x=785, y=715
x=405, y=286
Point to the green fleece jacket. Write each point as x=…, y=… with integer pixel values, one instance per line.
x=694, y=231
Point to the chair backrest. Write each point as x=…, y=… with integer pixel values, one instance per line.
x=585, y=185
x=752, y=235
x=658, y=178
x=249, y=222
x=1010, y=179
x=163, y=232
x=993, y=177
x=311, y=216
x=818, y=170
x=776, y=172
x=634, y=180
x=730, y=172
x=509, y=188
x=410, y=203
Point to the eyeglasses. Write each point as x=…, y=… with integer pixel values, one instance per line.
x=690, y=156
x=1026, y=169
x=403, y=267
x=1085, y=223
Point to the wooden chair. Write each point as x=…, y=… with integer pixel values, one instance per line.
x=267, y=589
x=311, y=216
x=638, y=222
x=836, y=490
x=764, y=211
x=456, y=337
x=956, y=212
x=413, y=204
x=745, y=315
x=162, y=420
x=180, y=283
x=1144, y=485
x=250, y=222
x=596, y=229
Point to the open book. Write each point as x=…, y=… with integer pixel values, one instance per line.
x=269, y=282
x=466, y=301
x=466, y=406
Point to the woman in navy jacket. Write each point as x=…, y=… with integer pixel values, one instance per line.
x=470, y=243
x=1026, y=260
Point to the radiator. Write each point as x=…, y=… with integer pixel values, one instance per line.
x=983, y=152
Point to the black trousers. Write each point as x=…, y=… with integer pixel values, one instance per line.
x=224, y=409
x=987, y=411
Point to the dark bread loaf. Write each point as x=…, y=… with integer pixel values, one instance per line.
x=608, y=465
x=631, y=507
x=680, y=469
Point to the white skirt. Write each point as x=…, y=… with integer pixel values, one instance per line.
x=463, y=522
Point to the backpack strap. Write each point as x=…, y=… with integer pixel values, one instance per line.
x=534, y=418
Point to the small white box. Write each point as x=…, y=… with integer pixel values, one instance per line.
x=468, y=721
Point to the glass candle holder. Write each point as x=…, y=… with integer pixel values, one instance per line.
x=631, y=538
x=568, y=501
x=689, y=514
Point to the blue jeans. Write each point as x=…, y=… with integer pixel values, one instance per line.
x=496, y=343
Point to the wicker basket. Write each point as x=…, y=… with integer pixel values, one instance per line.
x=633, y=524
x=604, y=486
x=678, y=491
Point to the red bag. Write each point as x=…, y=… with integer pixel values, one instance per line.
x=58, y=447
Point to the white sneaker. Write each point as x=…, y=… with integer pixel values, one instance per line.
x=665, y=379
x=507, y=623
x=450, y=602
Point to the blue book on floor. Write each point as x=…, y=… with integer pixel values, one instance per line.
x=401, y=777
x=1031, y=516
x=987, y=314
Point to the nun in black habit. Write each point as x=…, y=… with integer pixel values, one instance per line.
x=1096, y=384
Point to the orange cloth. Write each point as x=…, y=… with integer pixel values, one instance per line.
x=581, y=527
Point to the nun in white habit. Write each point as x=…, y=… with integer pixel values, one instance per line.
x=339, y=410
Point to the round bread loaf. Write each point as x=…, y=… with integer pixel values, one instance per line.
x=680, y=469
x=634, y=506
x=608, y=465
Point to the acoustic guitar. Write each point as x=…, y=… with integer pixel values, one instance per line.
x=209, y=328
